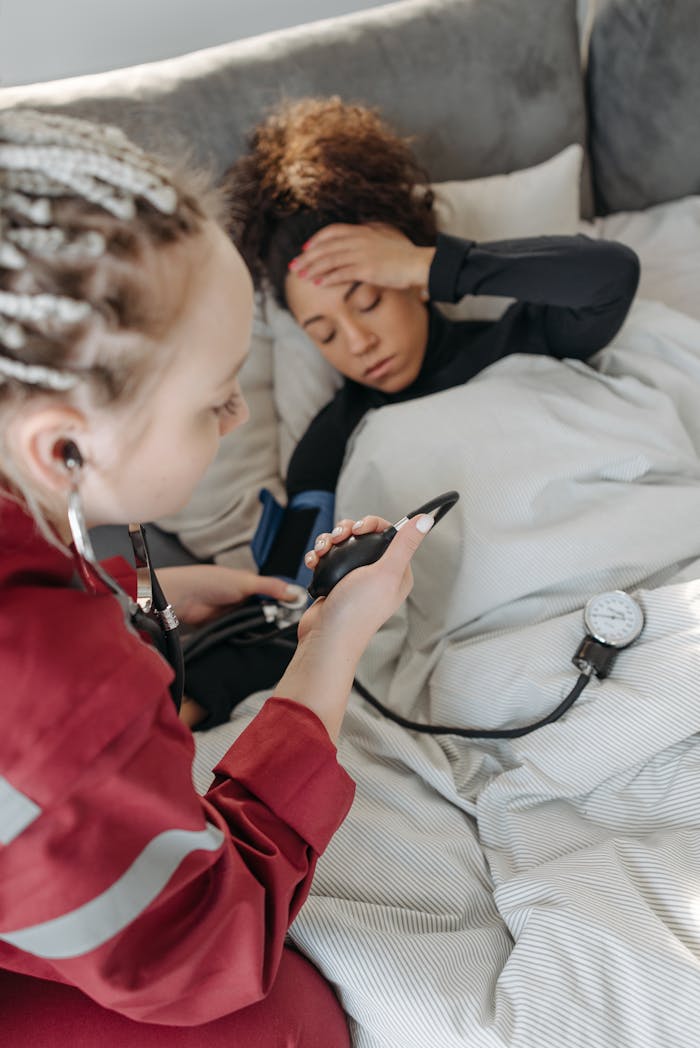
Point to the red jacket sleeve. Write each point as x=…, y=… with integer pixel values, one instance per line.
x=122, y=572
x=162, y=905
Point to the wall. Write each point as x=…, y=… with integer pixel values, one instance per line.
x=50, y=39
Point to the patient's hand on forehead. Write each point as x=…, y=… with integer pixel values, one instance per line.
x=374, y=254
x=360, y=299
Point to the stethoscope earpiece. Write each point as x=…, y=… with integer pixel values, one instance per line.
x=70, y=453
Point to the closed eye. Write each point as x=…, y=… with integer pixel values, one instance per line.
x=360, y=308
x=371, y=306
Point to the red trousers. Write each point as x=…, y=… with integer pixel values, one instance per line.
x=301, y=1011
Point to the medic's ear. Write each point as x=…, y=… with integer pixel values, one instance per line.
x=43, y=442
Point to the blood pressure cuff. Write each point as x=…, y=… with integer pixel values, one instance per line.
x=285, y=533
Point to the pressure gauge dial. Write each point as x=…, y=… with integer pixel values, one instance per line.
x=613, y=618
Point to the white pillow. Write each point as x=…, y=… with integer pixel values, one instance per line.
x=667, y=239
x=223, y=513
x=303, y=380
x=536, y=201
x=540, y=200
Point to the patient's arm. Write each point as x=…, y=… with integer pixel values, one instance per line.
x=573, y=292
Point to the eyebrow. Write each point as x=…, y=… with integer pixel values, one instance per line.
x=319, y=316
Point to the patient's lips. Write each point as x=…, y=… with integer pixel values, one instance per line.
x=380, y=368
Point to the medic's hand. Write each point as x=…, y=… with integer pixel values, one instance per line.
x=202, y=592
x=372, y=254
x=335, y=630
x=362, y=601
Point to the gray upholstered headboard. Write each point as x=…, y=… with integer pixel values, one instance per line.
x=485, y=86
x=644, y=100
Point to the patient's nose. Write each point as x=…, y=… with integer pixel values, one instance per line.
x=360, y=338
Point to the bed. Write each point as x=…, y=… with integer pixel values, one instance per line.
x=544, y=890
x=541, y=891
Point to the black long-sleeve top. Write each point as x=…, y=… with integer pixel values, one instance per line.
x=573, y=293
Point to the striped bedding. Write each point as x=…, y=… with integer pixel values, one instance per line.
x=544, y=891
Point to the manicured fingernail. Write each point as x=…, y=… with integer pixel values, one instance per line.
x=293, y=592
x=358, y=524
x=425, y=523
x=302, y=272
x=304, y=246
x=294, y=263
x=338, y=530
x=318, y=280
x=320, y=543
x=309, y=557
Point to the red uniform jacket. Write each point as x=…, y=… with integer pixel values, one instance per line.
x=115, y=876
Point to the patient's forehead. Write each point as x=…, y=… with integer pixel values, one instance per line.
x=306, y=299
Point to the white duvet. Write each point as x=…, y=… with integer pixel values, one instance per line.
x=543, y=892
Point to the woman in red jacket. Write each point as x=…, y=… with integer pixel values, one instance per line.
x=132, y=911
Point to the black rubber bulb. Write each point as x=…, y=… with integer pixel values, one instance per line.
x=353, y=553
x=359, y=550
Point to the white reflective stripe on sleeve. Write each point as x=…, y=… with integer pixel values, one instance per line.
x=96, y=921
x=16, y=811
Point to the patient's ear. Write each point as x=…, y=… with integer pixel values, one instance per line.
x=37, y=437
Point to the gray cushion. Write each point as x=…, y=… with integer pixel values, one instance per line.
x=486, y=86
x=644, y=96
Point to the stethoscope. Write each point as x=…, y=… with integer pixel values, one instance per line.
x=150, y=612
x=613, y=620
x=259, y=619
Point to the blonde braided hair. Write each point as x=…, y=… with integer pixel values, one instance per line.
x=80, y=205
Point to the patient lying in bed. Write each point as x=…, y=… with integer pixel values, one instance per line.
x=352, y=251
x=544, y=891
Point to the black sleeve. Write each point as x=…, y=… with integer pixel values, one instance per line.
x=314, y=467
x=577, y=290
x=317, y=459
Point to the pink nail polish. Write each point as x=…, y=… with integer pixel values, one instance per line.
x=294, y=263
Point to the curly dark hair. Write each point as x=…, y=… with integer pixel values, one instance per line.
x=315, y=161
